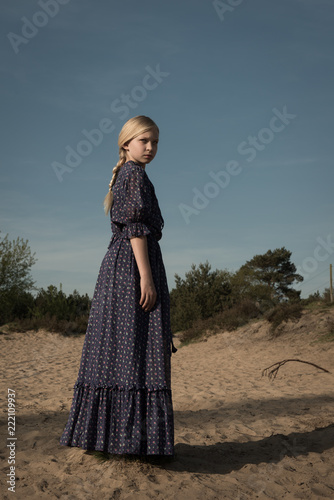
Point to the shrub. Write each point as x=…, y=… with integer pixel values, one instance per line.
x=283, y=312
x=51, y=324
x=201, y=294
x=230, y=319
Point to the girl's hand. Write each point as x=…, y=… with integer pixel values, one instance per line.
x=147, y=288
x=148, y=294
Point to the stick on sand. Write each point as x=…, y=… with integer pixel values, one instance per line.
x=273, y=372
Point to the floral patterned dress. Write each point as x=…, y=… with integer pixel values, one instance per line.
x=122, y=401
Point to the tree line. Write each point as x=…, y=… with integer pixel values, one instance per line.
x=261, y=284
x=50, y=308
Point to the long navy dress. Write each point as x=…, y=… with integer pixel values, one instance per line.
x=122, y=401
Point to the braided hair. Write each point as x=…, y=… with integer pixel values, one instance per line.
x=131, y=129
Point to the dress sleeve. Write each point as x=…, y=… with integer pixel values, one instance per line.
x=137, y=203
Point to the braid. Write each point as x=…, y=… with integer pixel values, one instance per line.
x=108, y=200
x=131, y=129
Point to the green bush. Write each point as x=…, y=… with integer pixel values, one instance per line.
x=230, y=319
x=51, y=309
x=51, y=324
x=283, y=312
x=200, y=295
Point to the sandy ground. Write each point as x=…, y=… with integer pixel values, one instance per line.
x=238, y=435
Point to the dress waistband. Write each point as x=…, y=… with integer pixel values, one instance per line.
x=122, y=236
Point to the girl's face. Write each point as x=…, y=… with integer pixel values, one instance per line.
x=143, y=148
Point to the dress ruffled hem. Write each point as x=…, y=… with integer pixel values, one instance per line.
x=135, y=229
x=115, y=420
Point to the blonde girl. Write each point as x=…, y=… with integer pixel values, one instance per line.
x=122, y=401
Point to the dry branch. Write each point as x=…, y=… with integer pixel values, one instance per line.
x=273, y=372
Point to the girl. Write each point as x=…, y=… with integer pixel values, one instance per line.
x=122, y=402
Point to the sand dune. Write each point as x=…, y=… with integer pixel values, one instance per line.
x=238, y=435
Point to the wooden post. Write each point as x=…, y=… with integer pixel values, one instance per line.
x=331, y=282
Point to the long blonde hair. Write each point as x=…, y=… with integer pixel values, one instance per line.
x=131, y=129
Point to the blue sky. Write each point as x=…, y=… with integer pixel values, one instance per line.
x=242, y=92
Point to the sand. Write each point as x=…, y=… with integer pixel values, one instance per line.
x=238, y=435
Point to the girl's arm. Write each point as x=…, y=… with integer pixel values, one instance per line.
x=148, y=291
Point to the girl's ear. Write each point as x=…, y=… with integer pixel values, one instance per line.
x=125, y=146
